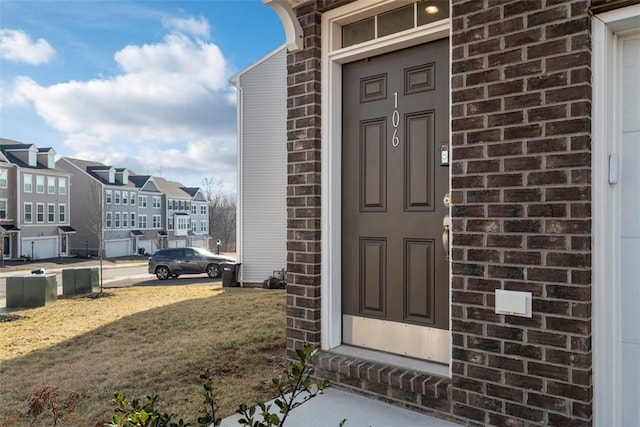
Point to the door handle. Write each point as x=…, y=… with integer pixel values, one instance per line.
x=446, y=224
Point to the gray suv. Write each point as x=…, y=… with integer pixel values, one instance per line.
x=173, y=262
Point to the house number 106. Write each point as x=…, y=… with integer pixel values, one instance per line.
x=395, y=120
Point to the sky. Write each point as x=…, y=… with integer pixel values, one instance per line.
x=142, y=85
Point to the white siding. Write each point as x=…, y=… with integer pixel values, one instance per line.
x=263, y=168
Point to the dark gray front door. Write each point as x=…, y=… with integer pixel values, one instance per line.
x=394, y=267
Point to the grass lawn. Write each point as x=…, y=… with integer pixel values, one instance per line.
x=145, y=340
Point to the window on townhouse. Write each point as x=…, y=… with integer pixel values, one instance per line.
x=116, y=197
x=108, y=221
x=51, y=185
x=108, y=196
x=3, y=208
x=28, y=213
x=39, y=184
x=156, y=221
x=125, y=197
x=62, y=186
x=203, y=225
x=3, y=177
x=187, y=205
x=116, y=220
x=51, y=212
x=142, y=221
x=203, y=209
x=170, y=204
x=170, y=223
x=133, y=219
x=125, y=219
x=182, y=223
x=40, y=212
x=194, y=226
x=156, y=202
x=27, y=180
x=62, y=214
x=132, y=198
x=33, y=158
x=194, y=209
x=181, y=205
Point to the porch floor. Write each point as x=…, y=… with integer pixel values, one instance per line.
x=335, y=405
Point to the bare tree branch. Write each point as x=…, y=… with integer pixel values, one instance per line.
x=222, y=214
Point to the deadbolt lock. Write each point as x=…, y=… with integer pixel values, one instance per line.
x=447, y=200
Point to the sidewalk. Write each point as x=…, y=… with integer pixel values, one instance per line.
x=335, y=405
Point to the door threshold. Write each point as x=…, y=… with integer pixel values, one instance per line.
x=393, y=359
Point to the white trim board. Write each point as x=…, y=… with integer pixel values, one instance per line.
x=333, y=56
x=606, y=288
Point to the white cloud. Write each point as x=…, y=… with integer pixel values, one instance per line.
x=197, y=27
x=17, y=46
x=170, y=109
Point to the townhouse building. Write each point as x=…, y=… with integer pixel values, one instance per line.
x=198, y=233
x=133, y=214
x=34, y=202
x=106, y=207
x=148, y=236
x=462, y=233
x=178, y=204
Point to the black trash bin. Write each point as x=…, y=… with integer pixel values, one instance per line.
x=230, y=274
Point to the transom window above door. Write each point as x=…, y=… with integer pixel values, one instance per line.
x=394, y=21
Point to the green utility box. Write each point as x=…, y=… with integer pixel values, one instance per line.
x=34, y=290
x=80, y=281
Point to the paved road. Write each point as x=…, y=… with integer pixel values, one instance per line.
x=115, y=276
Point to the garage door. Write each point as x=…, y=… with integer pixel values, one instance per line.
x=41, y=248
x=197, y=243
x=177, y=243
x=147, y=245
x=117, y=248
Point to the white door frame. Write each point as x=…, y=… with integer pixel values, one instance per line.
x=608, y=28
x=333, y=56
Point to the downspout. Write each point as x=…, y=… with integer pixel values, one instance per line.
x=235, y=81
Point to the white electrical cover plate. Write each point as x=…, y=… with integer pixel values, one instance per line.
x=513, y=303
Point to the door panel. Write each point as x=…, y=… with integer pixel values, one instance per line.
x=395, y=118
x=419, y=163
x=419, y=282
x=373, y=166
x=373, y=259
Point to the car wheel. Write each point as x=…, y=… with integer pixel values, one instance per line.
x=162, y=273
x=213, y=271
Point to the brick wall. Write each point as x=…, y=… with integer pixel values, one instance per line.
x=521, y=106
x=303, y=187
x=521, y=100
